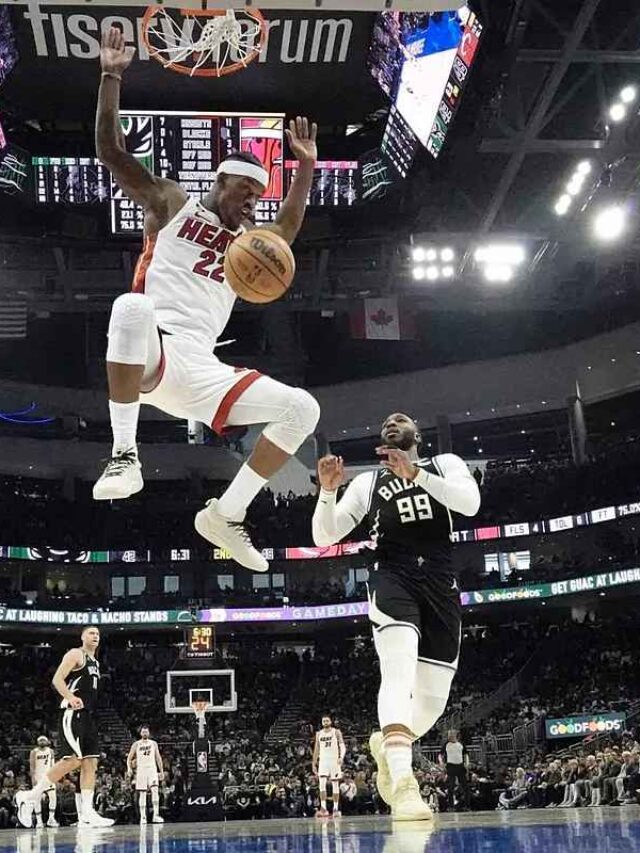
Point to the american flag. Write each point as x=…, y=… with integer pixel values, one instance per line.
x=13, y=320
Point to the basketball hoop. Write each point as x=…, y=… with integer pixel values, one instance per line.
x=204, y=42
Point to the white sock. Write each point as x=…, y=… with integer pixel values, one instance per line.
x=87, y=801
x=240, y=492
x=124, y=424
x=399, y=755
x=79, y=805
x=155, y=801
x=142, y=802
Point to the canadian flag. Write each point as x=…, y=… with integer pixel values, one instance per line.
x=381, y=320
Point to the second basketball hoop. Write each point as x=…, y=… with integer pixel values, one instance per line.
x=204, y=42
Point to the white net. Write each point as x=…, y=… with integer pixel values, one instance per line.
x=217, y=44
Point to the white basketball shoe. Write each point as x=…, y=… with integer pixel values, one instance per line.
x=157, y=818
x=121, y=478
x=406, y=802
x=232, y=536
x=90, y=817
x=383, y=779
x=25, y=803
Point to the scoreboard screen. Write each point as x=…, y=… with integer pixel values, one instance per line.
x=199, y=642
x=335, y=182
x=73, y=180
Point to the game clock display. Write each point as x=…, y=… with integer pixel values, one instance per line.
x=200, y=642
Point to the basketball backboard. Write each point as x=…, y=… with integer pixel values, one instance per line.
x=217, y=687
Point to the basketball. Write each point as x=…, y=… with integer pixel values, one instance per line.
x=259, y=266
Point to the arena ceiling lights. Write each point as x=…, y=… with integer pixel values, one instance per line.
x=499, y=262
x=433, y=264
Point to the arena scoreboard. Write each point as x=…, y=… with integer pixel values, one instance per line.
x=188, y=147
x=200, y=642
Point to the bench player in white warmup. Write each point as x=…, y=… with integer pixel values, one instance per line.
x=41, y=760
x=414, y=597
x=328, y=755
x=162, y=336
x=144, y=757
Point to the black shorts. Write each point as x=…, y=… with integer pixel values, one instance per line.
x=78, y=735
x=429, y=602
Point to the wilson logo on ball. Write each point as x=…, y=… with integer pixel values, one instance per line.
x=269, y=253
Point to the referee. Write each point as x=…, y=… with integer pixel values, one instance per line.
x=455, y=758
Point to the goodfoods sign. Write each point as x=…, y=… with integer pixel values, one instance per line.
x=584, y=726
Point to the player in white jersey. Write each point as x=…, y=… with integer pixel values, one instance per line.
x=161, y=336
x=144, y=757
x=328, y=755
x=41, y=760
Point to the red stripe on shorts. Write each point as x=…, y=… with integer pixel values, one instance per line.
x=233, y=394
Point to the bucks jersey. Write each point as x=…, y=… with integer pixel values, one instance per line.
x=83, y=682
x=405, y=522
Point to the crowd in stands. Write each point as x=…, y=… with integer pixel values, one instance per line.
x=263, y=756
x=38, y=512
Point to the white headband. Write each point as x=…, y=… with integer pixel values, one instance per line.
x=245, y=170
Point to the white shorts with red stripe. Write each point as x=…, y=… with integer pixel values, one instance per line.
x=193, y=384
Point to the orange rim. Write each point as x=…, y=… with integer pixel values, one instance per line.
x=153, y=52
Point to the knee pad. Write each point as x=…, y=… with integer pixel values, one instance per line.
x=397, y=648
x=300, y=417
x=430, y=696
x=132, y=319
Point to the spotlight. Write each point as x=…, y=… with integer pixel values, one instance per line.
x=498, y=273
x=418, y=273
x=418, y=254
x=501, y=254
x=610, y=223
x=447, y=255
x=431, y=255
x=628, y=94
x=448, y=272
x=575, y=184
x=584, y=167
x=562, y=205
x=433, y=273
x=617, y=112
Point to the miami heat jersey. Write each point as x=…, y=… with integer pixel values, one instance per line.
x=44, y=760
x=182, y=270
x=328, y=746
x=84, y=682
x=145, y=754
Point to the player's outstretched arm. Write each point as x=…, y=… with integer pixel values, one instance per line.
x=302, y=142
x=32, y=766
x=132, y=177
x=333, y=521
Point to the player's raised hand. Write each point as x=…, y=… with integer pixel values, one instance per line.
x=302, y=139
x=115, y=55
x=397, y=461
x=331, y=472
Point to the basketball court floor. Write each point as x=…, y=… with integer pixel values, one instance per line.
x=603, y=830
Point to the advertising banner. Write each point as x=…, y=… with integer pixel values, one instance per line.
x=305, y=613
x=305, y=53
x=585, y=725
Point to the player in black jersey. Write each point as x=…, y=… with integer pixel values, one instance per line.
x=76, y=680
x=414, y=598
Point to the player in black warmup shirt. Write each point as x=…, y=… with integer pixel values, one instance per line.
x=76, y=680
x=414, y=598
